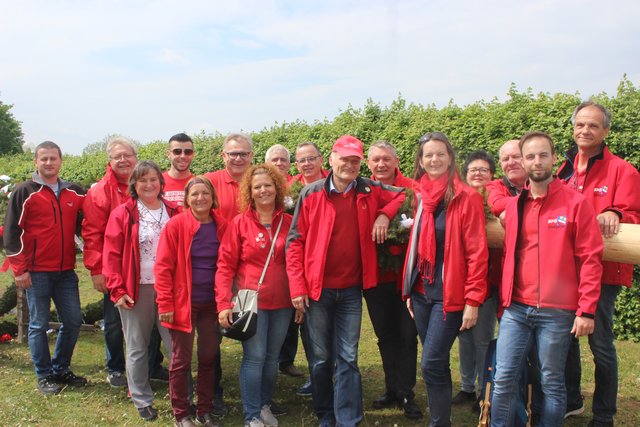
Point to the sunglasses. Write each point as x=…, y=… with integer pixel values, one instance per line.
x=179, y=151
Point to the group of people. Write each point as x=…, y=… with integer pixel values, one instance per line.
x=169, y=250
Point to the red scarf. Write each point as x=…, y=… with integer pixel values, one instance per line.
x=432, y=192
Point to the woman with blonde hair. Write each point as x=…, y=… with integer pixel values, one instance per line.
x=185, y=272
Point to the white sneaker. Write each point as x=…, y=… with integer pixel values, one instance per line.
x=267, y=417
x=256, y=422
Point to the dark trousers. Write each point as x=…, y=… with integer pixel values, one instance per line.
x=205, y=322
x=605, y=358
x=397, y=338
x=290, y=344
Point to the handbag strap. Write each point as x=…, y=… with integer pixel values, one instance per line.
x=273, y=244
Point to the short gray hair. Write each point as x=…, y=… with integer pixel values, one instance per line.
x=238, y=136
x=606, y=114
x=383, y=145
x=307, y=144
x=277, y=148
x=122, y=141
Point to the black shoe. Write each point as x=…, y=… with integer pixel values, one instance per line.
x=278, y=410
x=69, y=378
x=291, y=370
x=387, y=400
x=411, y=410
x=464, y=397
x=594, y=423
x=49, y=385
x=161, y=375
x=220, y=409
x=148, y=413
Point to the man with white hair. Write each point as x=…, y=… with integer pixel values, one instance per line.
x=279, y=156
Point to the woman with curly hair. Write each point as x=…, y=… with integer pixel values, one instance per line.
x=241, y=259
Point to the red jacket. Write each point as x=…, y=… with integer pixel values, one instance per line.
x=121, y=251
x=173, y=270
x=101, y=199
x=570, y=250
x=465, y=252
x=500, y=191
x=308, y=239
x=611, y=184
x=241, y=259
x=394, y=276
x=39, y=227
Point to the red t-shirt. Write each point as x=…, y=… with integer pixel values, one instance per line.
x=174, y=188
x=343, y=266
x=526, y=284
x=227, y=192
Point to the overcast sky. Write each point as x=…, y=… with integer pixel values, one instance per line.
x=77, y=71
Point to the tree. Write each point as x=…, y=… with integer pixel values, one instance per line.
x=11, y=136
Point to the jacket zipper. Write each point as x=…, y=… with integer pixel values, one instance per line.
x=538, y=231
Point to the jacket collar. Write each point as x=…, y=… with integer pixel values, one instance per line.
x=568, y=169
x=361, y=186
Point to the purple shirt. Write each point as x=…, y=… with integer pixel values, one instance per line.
x=204, y=257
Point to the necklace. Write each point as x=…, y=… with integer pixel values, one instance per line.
x=156, y=220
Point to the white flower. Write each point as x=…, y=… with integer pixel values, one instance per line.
x=406, y=222
x=288, y=202
x=5, y=178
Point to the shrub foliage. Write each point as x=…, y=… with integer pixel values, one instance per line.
x=483, y=124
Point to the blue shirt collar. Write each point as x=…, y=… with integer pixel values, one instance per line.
x=333, y=189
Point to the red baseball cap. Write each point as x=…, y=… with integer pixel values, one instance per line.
x=348, y=145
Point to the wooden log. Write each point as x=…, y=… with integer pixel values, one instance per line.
x=624, y=247
x=83, y=327
x=22, y=313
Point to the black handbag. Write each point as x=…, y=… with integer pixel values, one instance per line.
x=245, y=305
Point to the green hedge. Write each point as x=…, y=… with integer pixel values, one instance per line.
x=483, y=124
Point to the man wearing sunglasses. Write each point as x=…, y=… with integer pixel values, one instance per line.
x=237, y=154
x=180, y=154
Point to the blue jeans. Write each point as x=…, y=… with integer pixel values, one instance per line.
x=519, y=327
x=260, y=360
x=605, y=357
x=333, y=324
x=437, y=331
x=62, y=288
x=473, y=344
x=113, y=337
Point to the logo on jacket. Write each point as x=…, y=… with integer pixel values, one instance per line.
x=70, y=204
x=601, y=191
x=558, y=222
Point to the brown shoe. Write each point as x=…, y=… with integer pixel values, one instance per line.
x=291, y=370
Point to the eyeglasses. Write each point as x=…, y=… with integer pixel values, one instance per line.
x=483, y=171
x=179, y=151
x=309, y=159
x=123, y=156
x=238, y=154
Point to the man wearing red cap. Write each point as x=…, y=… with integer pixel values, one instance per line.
x=331, y=258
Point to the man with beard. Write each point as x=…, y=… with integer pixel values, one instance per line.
x=180, y=154
x=545, y=301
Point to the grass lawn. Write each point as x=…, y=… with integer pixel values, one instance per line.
x=21, y=404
